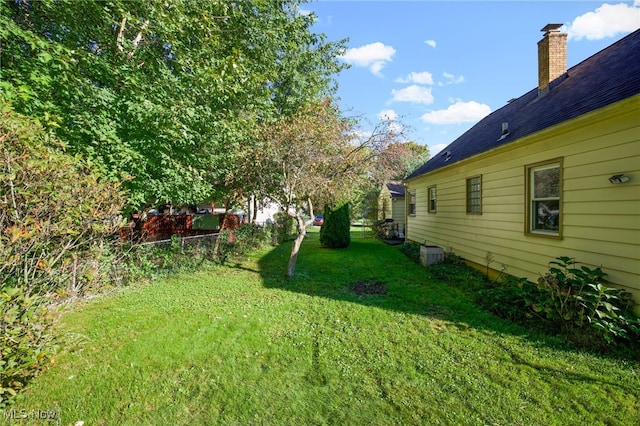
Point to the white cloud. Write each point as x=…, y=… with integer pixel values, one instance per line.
x=435, y=149
x=388, y=114
x=459, y=112
x=415, y=94
x=389, y=117
x=431, y=43
x=607, y=21
x=373, y=56
x=451, y=79
x=358, y=136
x=424, y=77
x=376, y=67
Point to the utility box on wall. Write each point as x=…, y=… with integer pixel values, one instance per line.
x=431, y=254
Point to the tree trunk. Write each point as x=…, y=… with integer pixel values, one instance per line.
x=310, y=208
x=302, y=232
x=255, y=209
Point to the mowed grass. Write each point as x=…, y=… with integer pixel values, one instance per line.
x=242, y=345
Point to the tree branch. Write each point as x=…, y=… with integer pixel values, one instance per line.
x=120, y=37
x=136, y=41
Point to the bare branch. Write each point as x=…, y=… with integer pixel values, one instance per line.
x=120, y=37
x=136, y=41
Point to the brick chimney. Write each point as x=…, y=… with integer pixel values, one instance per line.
x=552, y=56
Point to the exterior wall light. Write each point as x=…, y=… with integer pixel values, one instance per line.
x=621, y=178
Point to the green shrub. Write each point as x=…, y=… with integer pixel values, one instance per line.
x=157, y=260
x=245, y=239
x=454, y=270
x=506, y=298
x=250, y=237
x=572, y=296
x=27, y=342
x=58, y=232
x=58, y=218
x=571, y=299
x=412, y=251
x=153, y=261
x=285, y=226
x=335, y=232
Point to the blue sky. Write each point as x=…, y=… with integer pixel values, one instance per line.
x=441, y=66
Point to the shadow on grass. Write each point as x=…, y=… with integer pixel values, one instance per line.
x=372, y=273
x=400, y=284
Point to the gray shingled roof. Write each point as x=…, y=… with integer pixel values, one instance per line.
x=609, y=76
x=396, y=189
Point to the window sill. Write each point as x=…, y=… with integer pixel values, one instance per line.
x=542, y=234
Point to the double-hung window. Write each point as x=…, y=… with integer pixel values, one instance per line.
x=432, y=199
x=544, y=198
x=474, y=195
x=412, y=203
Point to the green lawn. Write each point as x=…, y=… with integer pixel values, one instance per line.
x=244, y=345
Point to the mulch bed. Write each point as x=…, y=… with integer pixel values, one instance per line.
x=362, y=288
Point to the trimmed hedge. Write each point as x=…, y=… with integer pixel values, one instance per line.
x=335, y=232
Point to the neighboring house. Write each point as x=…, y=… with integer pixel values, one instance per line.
x=266, y=212
x=540, y=177
x=391, y=205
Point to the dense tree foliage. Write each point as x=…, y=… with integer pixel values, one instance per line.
x=395, y=160
x=162, y=95
x=398, y=160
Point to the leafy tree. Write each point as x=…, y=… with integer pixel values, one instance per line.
x=395, y=159
x=158, y=96
x=398, y=160
x=335, y=232
x=315, y=156
x=161, y=95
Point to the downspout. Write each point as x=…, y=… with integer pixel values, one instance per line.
x=407, y=199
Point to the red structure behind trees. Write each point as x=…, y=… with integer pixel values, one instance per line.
x=164, y=226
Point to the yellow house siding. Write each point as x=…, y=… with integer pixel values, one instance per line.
x=389, y=207
x=398, y=210
x=384, y=203
x=600, y=220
